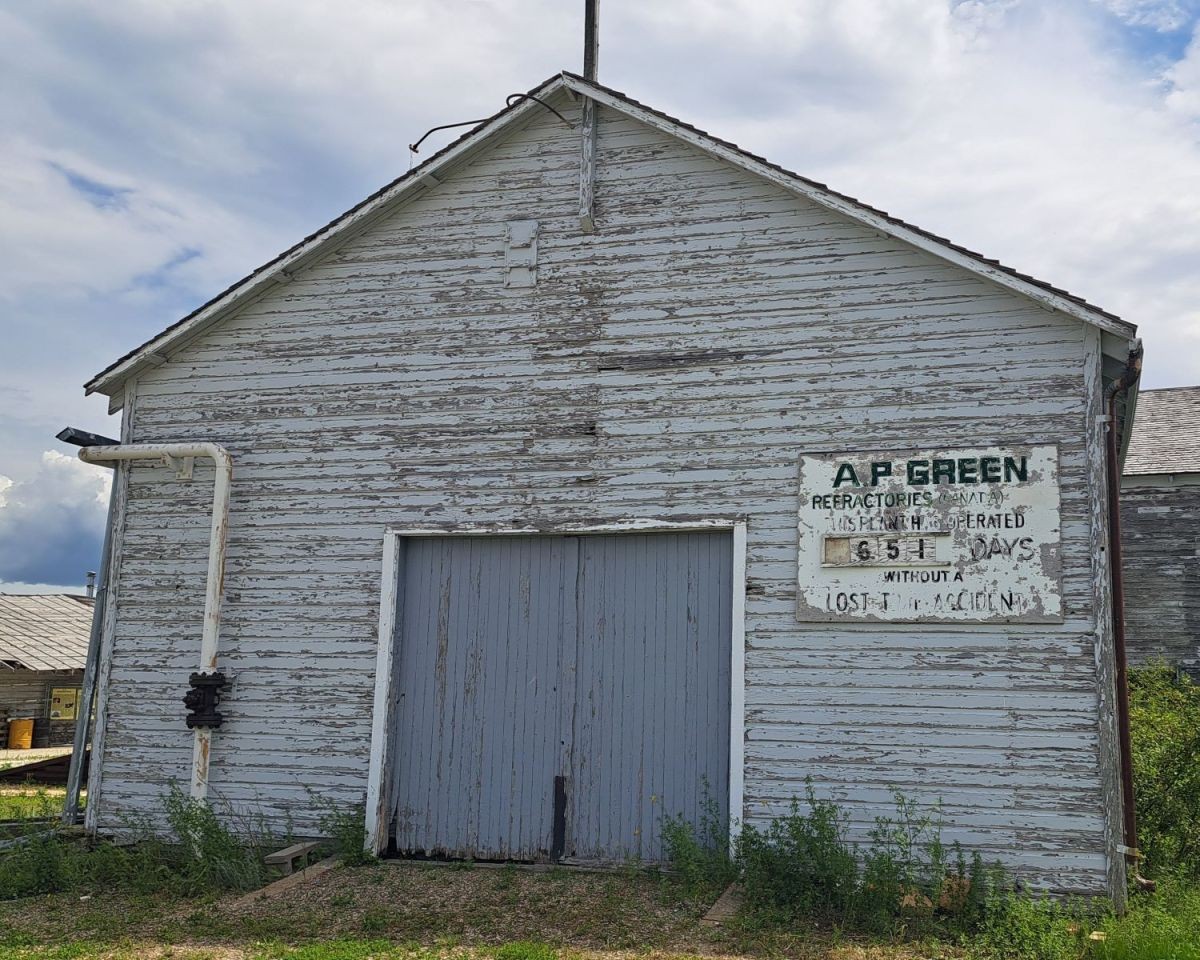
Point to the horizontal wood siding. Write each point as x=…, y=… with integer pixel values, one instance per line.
x=1160, y=530
x=672, y=365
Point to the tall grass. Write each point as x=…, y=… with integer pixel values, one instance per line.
x=700, y=857
x=801, y=868
x=199, y=854
x=1165, y=728
x=346, y=828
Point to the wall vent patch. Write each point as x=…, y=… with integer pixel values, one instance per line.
x=520, y=254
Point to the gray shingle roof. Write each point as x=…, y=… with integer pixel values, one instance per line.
x=1166, y=432
x=44, y=631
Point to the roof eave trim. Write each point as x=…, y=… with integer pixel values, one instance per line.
x=849, y=208
x=279, y=270
x=1131, y=402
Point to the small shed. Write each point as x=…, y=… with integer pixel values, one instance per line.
x=1160, y=529
x=43, y=648
x=598, y=471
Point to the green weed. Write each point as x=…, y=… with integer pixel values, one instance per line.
x=211, y=856
x=1163, y=926
x=376, y=920
x=700, y=858
x=346, y=829
x=30, y=803
x=337, y=950
x=802, y=868
x=1018, y=926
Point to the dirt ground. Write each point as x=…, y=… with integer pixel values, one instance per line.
x=411, y=910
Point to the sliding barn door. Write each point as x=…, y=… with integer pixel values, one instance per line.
x=557, y=696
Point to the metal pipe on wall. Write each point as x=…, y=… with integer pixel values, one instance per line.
x=1121, y=385
x=168, y=453
x=591, y=39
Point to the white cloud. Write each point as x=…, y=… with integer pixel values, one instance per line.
x=1183, y=86
x=1162, y=15
x=51, y=526
x=157, y=152
x=75, y=229
x=17, y=587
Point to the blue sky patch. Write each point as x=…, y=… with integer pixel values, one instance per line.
x=102, y=196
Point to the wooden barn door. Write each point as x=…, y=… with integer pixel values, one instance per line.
x=557, y=696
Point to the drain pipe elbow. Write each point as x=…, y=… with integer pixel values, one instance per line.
x=182, y=456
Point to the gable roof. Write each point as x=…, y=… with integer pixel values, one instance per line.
x=44, y=631
x=1166, y=432
x=425, y=176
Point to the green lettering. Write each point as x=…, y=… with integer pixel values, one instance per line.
x=845, y=474
x=989, y=469
x=1014, y=469
x=943, y=469
x=880, y=469
x=966, y=471
x=918, y=472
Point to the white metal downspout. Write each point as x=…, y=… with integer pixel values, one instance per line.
x=167, y=453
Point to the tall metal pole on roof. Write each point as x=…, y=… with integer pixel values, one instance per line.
x=591, y=38
x=587, y=126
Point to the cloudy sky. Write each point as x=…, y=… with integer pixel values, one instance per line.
x=152, y=151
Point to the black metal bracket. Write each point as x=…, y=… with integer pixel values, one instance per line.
x=558, y=840
x=203, y=699
x=82, y=438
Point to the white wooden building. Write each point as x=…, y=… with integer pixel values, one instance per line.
x=551, y=465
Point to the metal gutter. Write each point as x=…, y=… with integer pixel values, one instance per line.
x=1126, y=381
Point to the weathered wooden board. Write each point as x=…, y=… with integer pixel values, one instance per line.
x=1160, y=532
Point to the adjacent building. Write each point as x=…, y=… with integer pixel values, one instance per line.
x=1160, y=529
x=595, y=467
x=43, y=647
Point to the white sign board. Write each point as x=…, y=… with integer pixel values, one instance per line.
x=939, y=536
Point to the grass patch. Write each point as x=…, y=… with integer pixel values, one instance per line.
x=346, y=829
x=341, y=950
x=526, y=950
x=30, y=802
x=802, y=870
x=700, y=857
